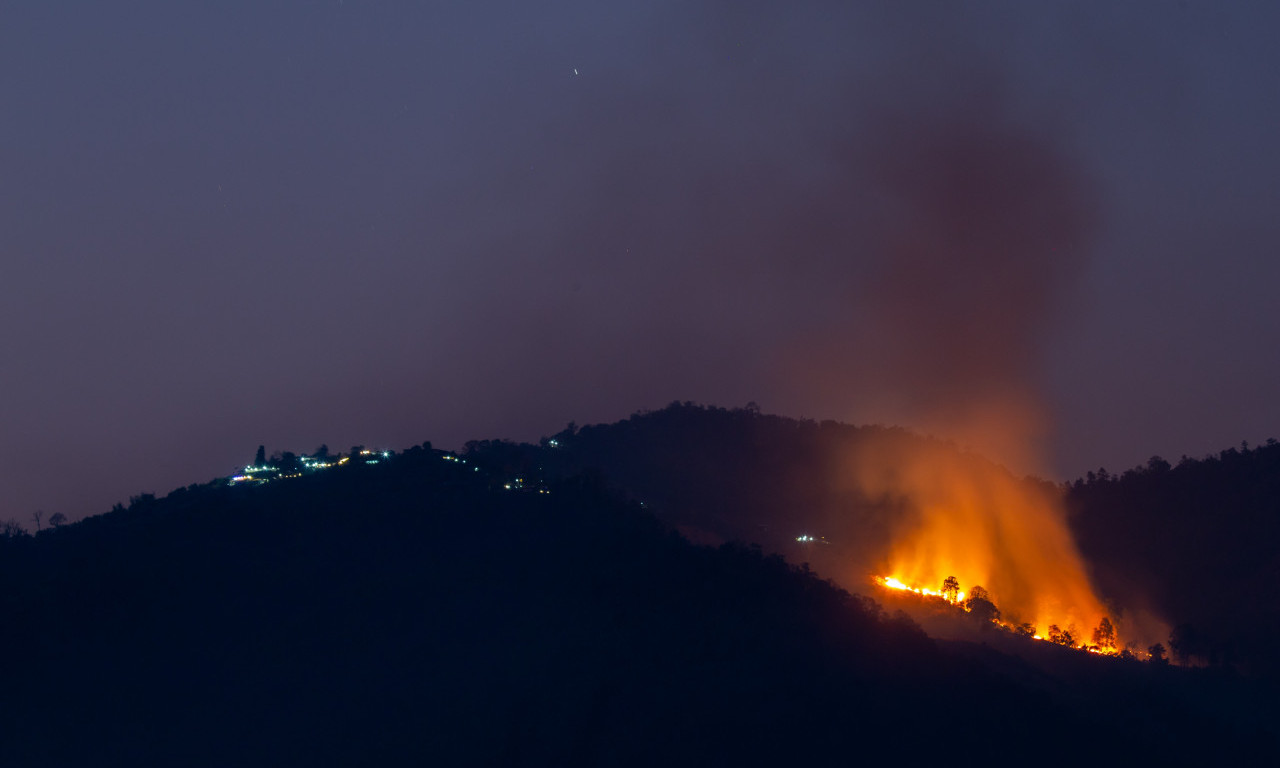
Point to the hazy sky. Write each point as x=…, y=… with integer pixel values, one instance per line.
x=226, y=224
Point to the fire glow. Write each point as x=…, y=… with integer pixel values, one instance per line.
x=1104, y=638
x=893, y=583
x=957, y=515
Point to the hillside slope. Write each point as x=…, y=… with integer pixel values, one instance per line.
x=417, y=612
x=1194, y=544
x=738, y=475
x=1201, y=542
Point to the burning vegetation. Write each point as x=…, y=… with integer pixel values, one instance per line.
x=956, y=521
x=981, y=604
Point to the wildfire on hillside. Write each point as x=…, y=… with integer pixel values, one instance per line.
x=955, y=514
x=979, y=601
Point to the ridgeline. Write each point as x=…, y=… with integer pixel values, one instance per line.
x=431, y=610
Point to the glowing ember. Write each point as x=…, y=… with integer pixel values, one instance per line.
x=1105, y=641
x=893, y=583
x=957, y=515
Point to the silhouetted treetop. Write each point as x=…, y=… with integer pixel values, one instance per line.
x=1197, y=542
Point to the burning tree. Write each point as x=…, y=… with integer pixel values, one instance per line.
x=951, y=589
x=1062, y=636
x=1105, y=635
x=980, y=524
x=981, y=605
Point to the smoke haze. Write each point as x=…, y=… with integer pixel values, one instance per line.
x=962, y=516
x=358, y=223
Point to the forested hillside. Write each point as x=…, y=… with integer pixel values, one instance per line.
x=722, y=474
x=1196, y=544
x=430, y=610
x=1200, y=541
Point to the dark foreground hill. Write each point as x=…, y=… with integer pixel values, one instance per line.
x=418, y=613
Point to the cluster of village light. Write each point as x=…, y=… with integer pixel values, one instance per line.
x=266, y=473
x=518, y=484
x=451, y=457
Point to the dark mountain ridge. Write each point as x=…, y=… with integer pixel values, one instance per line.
x=420, y=611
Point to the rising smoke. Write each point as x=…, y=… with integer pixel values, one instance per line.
x=972, y=225
x=835, y=211
x=983, y=225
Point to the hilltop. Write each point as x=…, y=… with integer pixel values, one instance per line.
x=475, y=609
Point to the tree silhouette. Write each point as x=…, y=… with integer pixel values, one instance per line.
x=1157, y=654
x=980, y=605
x=951, y=588
x=287, y=462
x=1105, y=635
x=1062, y=636
x=260, y=457
x=57, y=520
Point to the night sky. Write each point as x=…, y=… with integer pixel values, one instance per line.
x=379, y=223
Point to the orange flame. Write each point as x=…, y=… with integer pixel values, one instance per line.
x=962, y=516
x=893, y=583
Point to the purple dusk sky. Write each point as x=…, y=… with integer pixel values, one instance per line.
x=351, y=222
